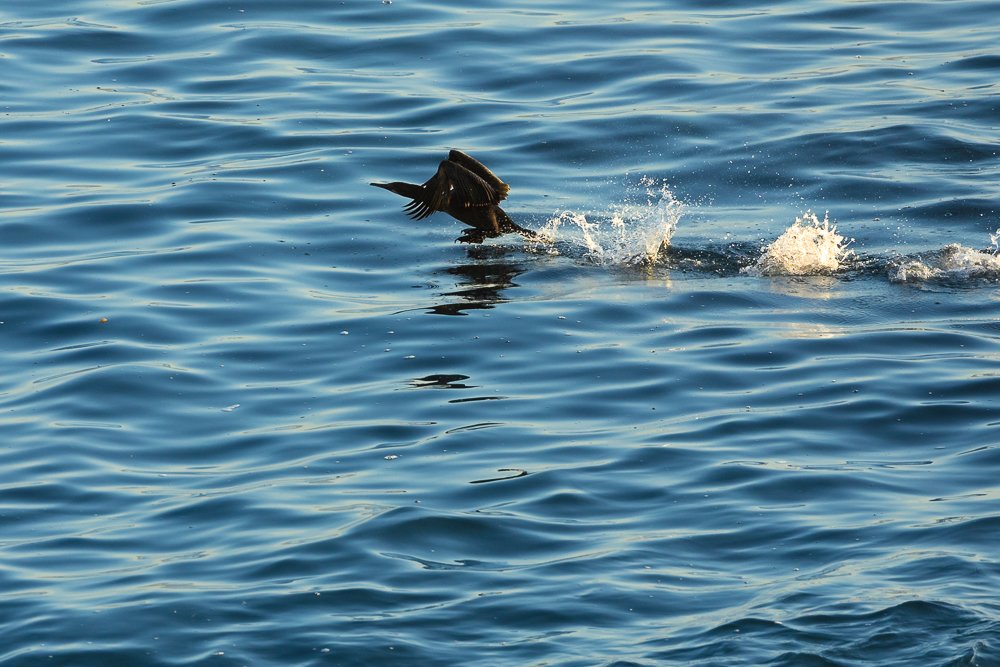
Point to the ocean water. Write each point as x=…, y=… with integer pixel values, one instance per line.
x=739, y=406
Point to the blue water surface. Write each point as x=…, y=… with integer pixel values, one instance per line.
x=252, y=414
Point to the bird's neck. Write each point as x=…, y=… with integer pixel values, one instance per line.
x=410, y=190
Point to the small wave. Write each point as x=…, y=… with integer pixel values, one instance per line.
x=633, y=232
x=808, y=247
x=952, y=263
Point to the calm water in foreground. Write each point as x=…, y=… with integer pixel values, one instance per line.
x=251, y=414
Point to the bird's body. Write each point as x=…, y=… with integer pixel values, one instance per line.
x=465, y=189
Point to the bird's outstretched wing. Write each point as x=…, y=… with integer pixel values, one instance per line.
x=482, y=171
x=455, y=185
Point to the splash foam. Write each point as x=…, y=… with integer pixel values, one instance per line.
x=633, y=232
x=953, y=263
x=808, y=247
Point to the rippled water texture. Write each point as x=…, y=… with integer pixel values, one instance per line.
x=253, y=414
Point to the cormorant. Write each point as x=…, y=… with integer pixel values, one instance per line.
x=468, y=191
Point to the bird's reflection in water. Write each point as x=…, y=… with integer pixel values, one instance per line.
x=481, y=282
x=442, y=381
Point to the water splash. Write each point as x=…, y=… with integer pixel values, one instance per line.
x=639, y=231
x=952, y=263
x=633, y=232
x=808, y=247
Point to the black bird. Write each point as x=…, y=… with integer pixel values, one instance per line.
x=468, y=191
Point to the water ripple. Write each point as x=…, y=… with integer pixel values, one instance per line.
x=254, y=415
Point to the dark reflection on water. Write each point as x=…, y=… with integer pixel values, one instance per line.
x=231, y=436
x=514, y=474
x=443, y=382
x=482, y=282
